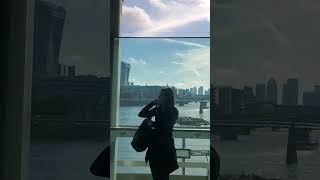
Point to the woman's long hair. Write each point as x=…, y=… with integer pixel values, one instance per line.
x=169, y=97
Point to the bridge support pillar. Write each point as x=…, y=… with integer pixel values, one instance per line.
x=292, y=157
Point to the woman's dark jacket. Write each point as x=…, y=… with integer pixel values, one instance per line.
x=161, y=152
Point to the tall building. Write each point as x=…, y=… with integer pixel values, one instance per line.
x=48, y=29
x=72, y=71
x=272, y=91
x=214, y=95
x=309, y=99
x=187, y=92
x=200, y=91
x=260, y=92
x=312, y=98
x=191, y=91
x=248, y=96
x=290, y=92
x=317, y=90
x=195, y=90
x=125, y=71
x=229, y=100
x=181, y=92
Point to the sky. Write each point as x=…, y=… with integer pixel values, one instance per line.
x=171, y=18
x=256, y=40
x=179, y=62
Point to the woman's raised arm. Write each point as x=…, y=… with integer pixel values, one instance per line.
x=148, y=111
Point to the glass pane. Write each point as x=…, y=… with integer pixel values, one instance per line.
x=266, y=89
x=71, y=89
x=149, y=64
x=165, y=18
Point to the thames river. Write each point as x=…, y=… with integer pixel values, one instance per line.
x=263, y=152
x=129, y=116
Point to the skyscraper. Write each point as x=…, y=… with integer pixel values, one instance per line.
x=48, y=29
x=181, y=92
x=187, y=92
x=200, y=91
x=272, y=91
x=312, y=98
x=125, y=71
x=309, y=99
x=261, y=92
x=228, y=100
x=195, y=90
x=248, y=96
x=290, y=92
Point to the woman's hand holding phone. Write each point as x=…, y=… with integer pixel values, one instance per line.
x=156, y=101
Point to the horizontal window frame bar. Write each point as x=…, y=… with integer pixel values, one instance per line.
x=161, y=37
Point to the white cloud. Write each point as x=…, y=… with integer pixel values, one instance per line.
x=133, y=60
x=142, y=61
x=196, y=72
x=159, y=4
x=136, y=17
x=196, y=62
x=167, y=16
x=161, y=72
x=186, y=43
x=183, y=55
x=179, y=85
x=174, y=62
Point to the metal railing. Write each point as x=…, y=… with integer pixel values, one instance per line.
x=183, y=133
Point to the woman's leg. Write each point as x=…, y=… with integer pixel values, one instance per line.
x=156, y=176
x=164, y=177
x=156, y=172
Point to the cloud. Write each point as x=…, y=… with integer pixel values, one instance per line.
x=161, y=72
x=196, y=72
x=174, y=62
x=179, y=84
x=133, y=60
x=182, y=55
x=136, y=17
x=185, y=43
x=195, y=67
x=159, y=4
x=142, y=62
x=167, y=15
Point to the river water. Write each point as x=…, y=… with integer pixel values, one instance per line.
x=128, y=115
x=71, y=159
x=263, y=152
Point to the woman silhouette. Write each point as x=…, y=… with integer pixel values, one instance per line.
x=161, y=153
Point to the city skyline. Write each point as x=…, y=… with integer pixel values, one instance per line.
x=287, y=93
x=280, y=39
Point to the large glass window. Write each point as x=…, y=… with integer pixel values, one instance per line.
x=165, y=43
x=149, y=64
x=71, y=88
x=266, y=89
